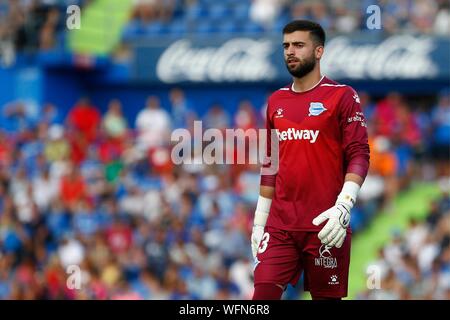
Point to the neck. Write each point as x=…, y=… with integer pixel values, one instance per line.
x=308, y=81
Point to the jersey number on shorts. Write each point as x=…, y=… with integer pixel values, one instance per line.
x=264, y=242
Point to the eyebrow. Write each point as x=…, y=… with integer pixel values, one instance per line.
x=294, y=42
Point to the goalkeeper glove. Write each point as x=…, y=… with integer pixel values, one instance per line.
x=259, y=222
x=335, y=230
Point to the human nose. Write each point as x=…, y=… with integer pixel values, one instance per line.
x=290, y=50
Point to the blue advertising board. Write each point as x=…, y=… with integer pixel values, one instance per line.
x=256, y=60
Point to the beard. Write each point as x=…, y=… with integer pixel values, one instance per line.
x=303, y=68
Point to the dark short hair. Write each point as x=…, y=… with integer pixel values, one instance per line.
x=316, y=31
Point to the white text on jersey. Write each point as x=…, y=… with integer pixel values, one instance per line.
x=295, y=134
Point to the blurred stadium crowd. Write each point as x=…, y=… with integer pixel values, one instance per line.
x=93, y=190
x=269, y=16
x=416, y=264
x=30, y=25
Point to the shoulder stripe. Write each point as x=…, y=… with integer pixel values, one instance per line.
x=283, y=89
x=332, y=85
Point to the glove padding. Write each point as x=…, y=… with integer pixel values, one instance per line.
x=334, y=231
x=257, y=234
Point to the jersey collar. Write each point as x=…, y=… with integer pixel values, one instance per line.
x=292, y=86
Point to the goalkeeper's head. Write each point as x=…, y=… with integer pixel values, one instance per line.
x=303, y=44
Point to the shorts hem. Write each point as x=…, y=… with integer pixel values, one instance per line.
x=315, y=230
x=270, y=282
x=328, y=294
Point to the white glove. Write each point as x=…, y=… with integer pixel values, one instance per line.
x=257, y=234
x=259, y=222
x=335, y=230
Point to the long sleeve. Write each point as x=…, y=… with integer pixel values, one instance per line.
x=270, y=163
x=354, y=135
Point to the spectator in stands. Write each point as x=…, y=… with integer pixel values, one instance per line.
x=153, y=125
x=216, y=117
x=442, y=21
x=166, y=9
x=85, y=118
x=264, y=12
x=441, y=133
x=19, y=116
x=245, y=116
x=72, y=187
x=6, y=150
x=147, y=14
x=21, y=191
x=385, y=116
x=113, y=122
x=422, y=16
x=416, y=265
x=300, y=10
x=320, y=14
x=181, y=110
x=45, y=190
x=47, y=39
x=50, y=115
x=56, y=147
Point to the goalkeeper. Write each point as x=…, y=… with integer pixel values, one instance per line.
x=302, y=217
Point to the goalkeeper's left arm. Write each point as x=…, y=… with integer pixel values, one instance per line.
x=357, y=154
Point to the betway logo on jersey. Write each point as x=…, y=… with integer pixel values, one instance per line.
x=297, y=134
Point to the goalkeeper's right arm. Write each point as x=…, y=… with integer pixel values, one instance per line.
x=261, y=215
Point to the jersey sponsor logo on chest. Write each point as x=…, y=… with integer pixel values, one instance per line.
x=296, y=134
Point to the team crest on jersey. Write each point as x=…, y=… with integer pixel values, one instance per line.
x=316, y=108
x=279, y=113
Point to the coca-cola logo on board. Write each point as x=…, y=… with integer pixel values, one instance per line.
x=397, y=57
x=240, y=59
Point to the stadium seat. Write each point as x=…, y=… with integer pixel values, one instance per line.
x=251, y=27
x=195, y=12
x=204, y=27
x=178, y=27
x=131, y=30
x=280, y=22
x=211, y=2
x=218, y=11
x=227, y=27
x=155, y=28
x=241, y=11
